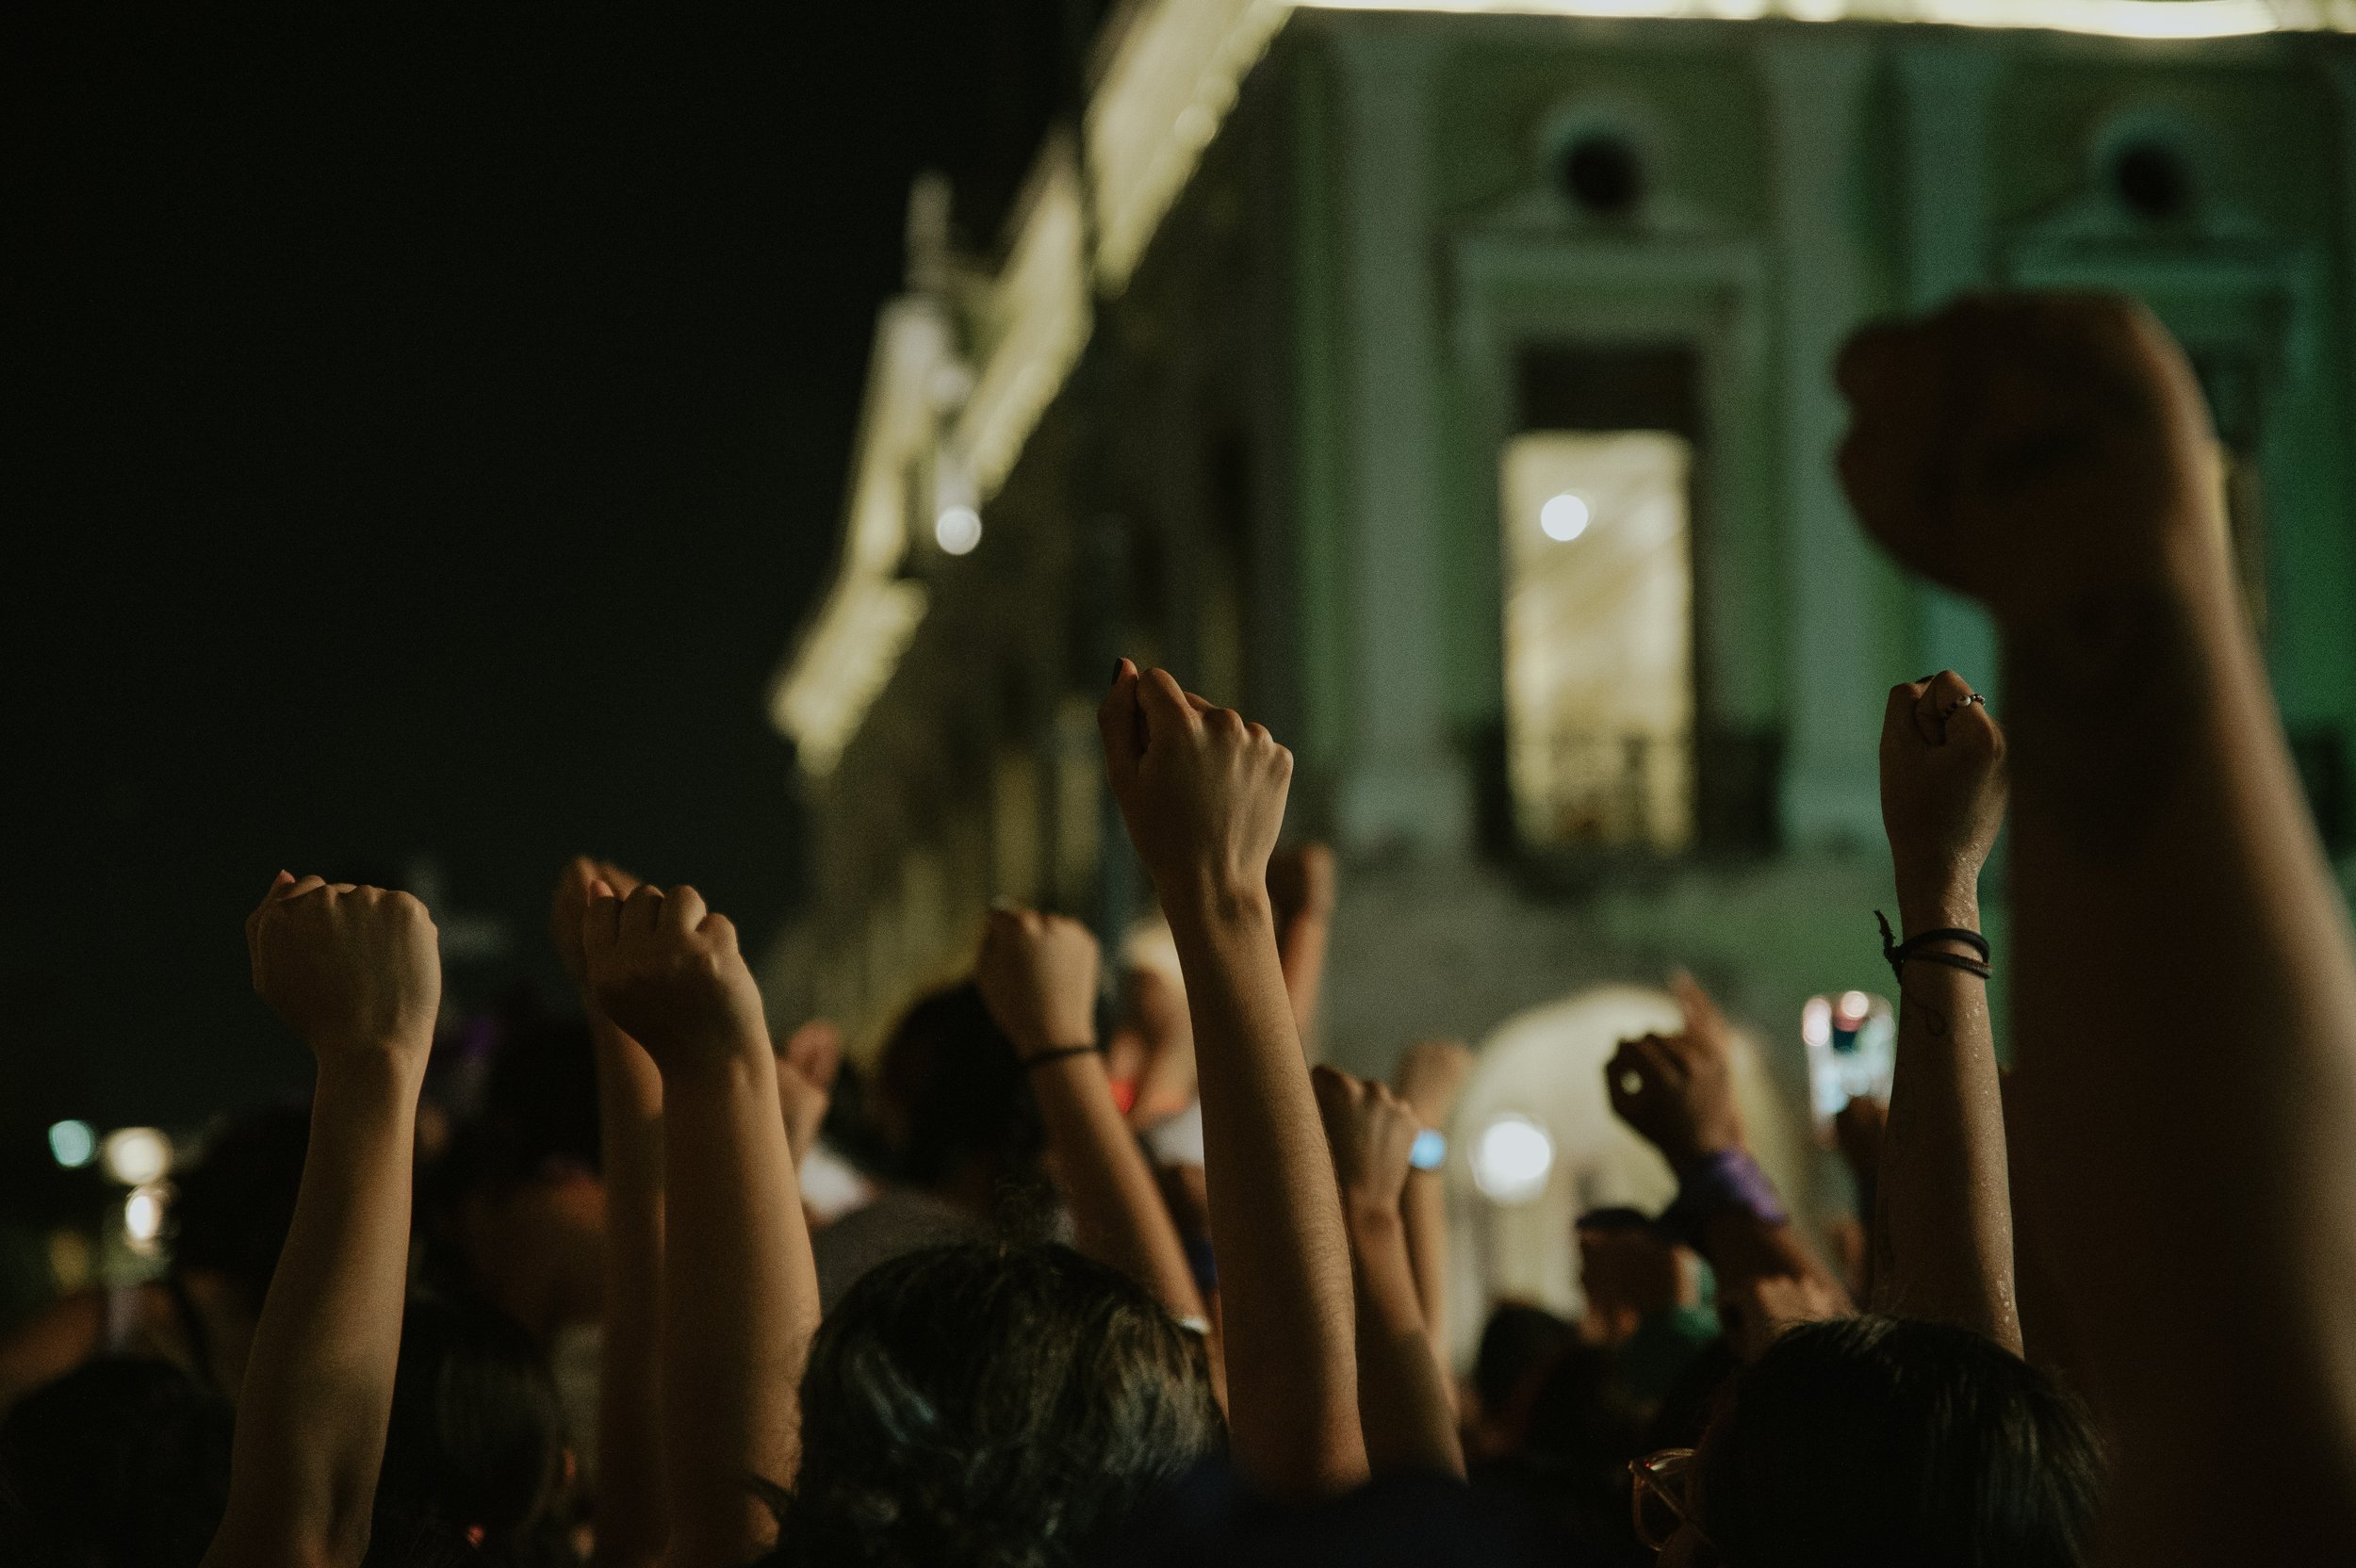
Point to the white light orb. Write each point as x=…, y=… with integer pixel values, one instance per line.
x=958, y=528
x=72, y=1144
x=1564, y=517
x=1512, y=1158
x=135, y=1156
x=143, y=1217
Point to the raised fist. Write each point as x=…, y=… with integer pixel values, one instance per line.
x=1202, y=790
x=1037, y=974
x=1301, y=884
x=352, y=970
x=1430, y=1076
x=667, y=971
x=1372, y=1133
x=1677, y=1091
x=2023, y=448
x=1943, y=761
x=571, y=899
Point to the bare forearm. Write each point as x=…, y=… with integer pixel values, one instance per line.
x=1423, y=1209
x=1403, y=1407
x=739, y=1305
x=1115, y=1207
x=318, y=1384
x=632, y=1524
x=1275, y=1219
x=1943, y=1225
x=2184, y=983
x=1305, y=939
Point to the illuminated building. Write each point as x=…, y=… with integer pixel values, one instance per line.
x=1447, y=385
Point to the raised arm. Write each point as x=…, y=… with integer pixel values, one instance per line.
x=1430, y=1077
x=2183, y=990
x=1037, y=973
x=1678, y=1093
x=1301, y=891
x=355, y=972
x=1203, y=795
x=739, y=1290
x=631, y=1523
x=1403, y=1407
x=1942, y=1224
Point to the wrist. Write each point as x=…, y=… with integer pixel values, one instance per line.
x=1201, y=899
x=723, y=1063
x=1937, y=903
x=393, y=1068
x=1370, y=1215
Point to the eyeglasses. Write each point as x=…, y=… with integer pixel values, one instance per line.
x=1657, y=1500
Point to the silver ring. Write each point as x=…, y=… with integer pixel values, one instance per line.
x=1631, y=1083
x=1973, y=698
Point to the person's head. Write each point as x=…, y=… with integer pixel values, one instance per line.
x=1878, y=1442
x=121, y=1464
x=997, y=1407
x=231, y=1207
x=950, y=1097
x=1518, y=1345
x=475, y=1450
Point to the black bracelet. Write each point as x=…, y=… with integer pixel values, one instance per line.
x=1058, y=1055
x=1896, y=952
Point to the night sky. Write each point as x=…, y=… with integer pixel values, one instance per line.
x=425, y=440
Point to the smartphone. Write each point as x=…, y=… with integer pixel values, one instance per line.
x=1852, y=1041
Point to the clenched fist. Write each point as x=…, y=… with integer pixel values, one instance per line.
x=1037, y=974
x=571, y=899
x=1942, y=765
x=2023, y=448
x=1202, y=790
x=352, y=970
x=1372, y=1133
x=1677, y=1091
x=667, y=971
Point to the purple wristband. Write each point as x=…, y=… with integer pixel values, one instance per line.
x=1730, y=1179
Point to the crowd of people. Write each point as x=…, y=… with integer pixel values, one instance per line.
x=1054, y=1281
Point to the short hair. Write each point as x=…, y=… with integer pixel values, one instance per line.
x=952, y=1077
x=1881, y=1443
x=991, y=1406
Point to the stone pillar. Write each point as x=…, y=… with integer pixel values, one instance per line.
x=1944, y=90
x=1398, y=782
x=1817, y=92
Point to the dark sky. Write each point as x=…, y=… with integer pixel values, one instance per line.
x=425, y=440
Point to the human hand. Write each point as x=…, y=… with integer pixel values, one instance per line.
x=1202, y=790
x=807, y=1065
x=571, y=899
x=1301, y=884
x=1755, y=1308
x=2023, y=448
x=1627, y=1274
x=1038, y=975
x=355, y=970
x=1856, y=1131
x=1430, y=1076
x=1372, y=1133
x=1943, y=786
x=1677, y=1091
x=668, y=973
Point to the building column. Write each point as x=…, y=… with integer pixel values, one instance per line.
x=1945, y=87
x=1399, y=782
x=1817, y=87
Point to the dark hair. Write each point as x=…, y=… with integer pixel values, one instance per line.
x=231, y=1209
x=1879, y=1443
x=991, y=1406
x=952, y=1085
x=1517, y=1344
x=122, y=1464
x=476, y=1437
